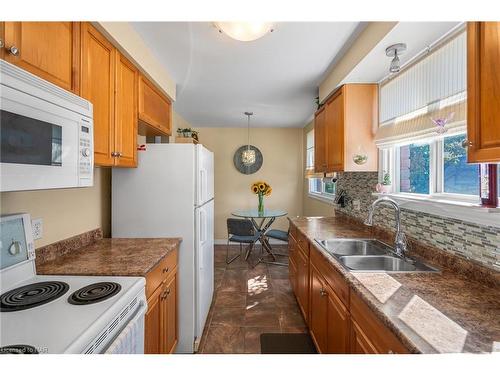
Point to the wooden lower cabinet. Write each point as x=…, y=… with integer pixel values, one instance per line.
x=339, y=321
x=302, y=280
x=360, y=344
x=161, y=318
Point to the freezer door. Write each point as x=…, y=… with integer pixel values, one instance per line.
x=204, y=175
x=204, y=263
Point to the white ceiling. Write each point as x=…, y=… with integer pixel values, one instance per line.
x=417, y=36
x=219, y=78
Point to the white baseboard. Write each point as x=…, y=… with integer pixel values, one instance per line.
x=272, y=241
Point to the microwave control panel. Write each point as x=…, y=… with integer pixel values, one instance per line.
x=86, y=153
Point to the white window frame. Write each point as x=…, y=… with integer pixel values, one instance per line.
x=389, y=161
x=323, y=195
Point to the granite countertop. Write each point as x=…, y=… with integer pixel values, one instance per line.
x=429, y=312
x=112, y=257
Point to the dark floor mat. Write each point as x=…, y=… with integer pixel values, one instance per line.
x=286, y=343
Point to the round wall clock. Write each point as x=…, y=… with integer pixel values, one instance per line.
x=247, y=169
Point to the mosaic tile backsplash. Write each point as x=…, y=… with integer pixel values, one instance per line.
x=469, y=240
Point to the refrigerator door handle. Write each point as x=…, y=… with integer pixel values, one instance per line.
x=202, y=237
x=202, y=192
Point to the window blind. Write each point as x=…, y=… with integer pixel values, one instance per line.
x=426, y=99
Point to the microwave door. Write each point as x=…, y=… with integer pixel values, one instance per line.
x=39, y=143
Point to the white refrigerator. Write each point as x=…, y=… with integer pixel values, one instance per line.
x=171, y=194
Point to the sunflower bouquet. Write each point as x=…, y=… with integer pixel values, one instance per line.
x=262, y=189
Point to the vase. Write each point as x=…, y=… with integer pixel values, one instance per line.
x=261, y=203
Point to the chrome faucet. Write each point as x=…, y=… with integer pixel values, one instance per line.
x=400, y=243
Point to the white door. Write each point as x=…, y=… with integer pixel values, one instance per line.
x=205, y=175
x=204, y=263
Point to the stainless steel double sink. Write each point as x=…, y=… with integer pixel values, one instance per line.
x=370, y=255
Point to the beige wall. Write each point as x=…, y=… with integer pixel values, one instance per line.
x=65, y=212
x=364, y=43
x=312, y=206
x=282, y=169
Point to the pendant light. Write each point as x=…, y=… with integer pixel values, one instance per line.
x=248, y=155
x=244, y=31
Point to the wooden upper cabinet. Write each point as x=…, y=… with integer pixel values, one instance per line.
x=125, y=112
x=350, y=121
x=335, y=132
x=50, y=50
x=155, y=109
x=98, y=86
x=320, y=143
x=483, y=91
x=2, y=39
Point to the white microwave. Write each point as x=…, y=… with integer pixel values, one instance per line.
x=46, y=134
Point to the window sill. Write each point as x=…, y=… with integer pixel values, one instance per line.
x=468, y=211
x=322, y=198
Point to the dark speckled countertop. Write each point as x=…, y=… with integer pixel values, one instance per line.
x=112, y=257
x=429, y=312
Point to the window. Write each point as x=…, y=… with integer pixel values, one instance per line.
x=436, y=167
x=414, y=168
x=317, y=188
x=458, y=176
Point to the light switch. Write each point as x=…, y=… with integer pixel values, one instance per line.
x=37, y=228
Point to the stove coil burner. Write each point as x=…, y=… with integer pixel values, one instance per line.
x=32, y=295
x=94, y=293
x=18, y=349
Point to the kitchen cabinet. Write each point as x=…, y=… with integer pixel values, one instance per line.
x=483, y=92
x=292, y=262
x=161, y=318
x=155, y=109
x=109, y=81
x=320, y=165
x=339, y=321
x=346, y=127
x=368, y=333
x=50, y=50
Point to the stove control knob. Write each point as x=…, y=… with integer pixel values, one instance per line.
x=86, y=152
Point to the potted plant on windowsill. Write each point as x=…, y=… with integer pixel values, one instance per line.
x=187, y=135
x=385, y=186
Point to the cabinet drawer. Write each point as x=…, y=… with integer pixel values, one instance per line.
x=303, y=243
x=160, y=273
x=382, y=339
x=334, y=279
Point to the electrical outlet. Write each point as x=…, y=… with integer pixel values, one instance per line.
x=356, y=204
x=37, y=228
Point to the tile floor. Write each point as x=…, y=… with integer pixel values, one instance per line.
x=247, y=302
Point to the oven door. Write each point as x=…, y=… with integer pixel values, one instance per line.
x=41, y=144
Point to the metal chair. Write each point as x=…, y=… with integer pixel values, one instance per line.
x=240, y=231
x=278, y=235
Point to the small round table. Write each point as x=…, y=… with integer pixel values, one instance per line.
x=267, y=218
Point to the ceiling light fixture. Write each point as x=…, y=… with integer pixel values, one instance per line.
x=248, y=155
x=394, y=51
x=245, y=31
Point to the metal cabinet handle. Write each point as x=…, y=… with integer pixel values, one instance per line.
x=322, y=292
x=168, y=291
x=390, y=352
x=467, y=143
x=113, y=154
x=119, y=154
x=1, y=43
x=166, y=269
x=14, y=51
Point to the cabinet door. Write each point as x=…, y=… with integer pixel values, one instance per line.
x=152, y=324
x=319, y=310
x=338, y=325
x=360, y=344
x=2, y=39
x=154, y=109
x=169, y=315
x=320, y=142
x=335, y=133
x=50, y=50
x=303, y=284
x=98, y=85
x=125, y=112
x=483, y=91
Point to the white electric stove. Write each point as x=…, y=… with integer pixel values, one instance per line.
x=63, y=314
